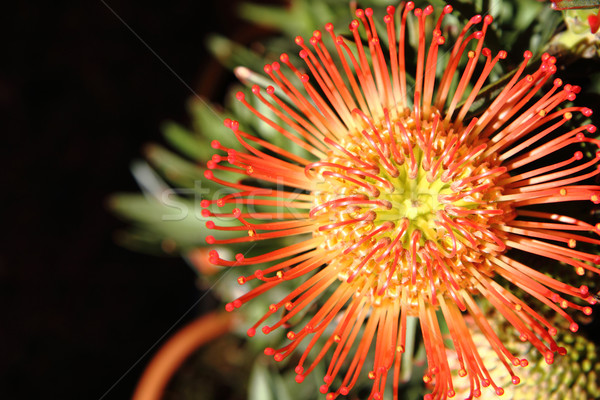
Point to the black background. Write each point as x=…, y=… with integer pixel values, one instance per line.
x=79, y=96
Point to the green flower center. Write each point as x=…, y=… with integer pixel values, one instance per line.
x=408, y=211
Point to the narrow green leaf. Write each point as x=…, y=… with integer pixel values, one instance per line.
x=231, y=54
x=208, y=122
x=259, y=387
x=186, y=142
x=178, y=171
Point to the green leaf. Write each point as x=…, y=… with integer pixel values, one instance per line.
x=171, y=217
x=280, y=388
x=259, y=387
x=178, y=171
x=186, y=142
x=231, y=54
x=272, y=17
x=208, y=122
x=527, y=12
x=156, y=222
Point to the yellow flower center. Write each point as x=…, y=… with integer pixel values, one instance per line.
x=407, y=207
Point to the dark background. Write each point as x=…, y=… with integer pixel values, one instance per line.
x=79, y=96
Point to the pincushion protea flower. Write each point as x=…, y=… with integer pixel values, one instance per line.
x=402, y=205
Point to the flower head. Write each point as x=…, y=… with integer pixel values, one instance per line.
x=402, y=205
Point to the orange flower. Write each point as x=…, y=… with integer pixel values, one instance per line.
x=397, y=204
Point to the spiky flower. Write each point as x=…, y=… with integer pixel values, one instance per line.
x=402, y=205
